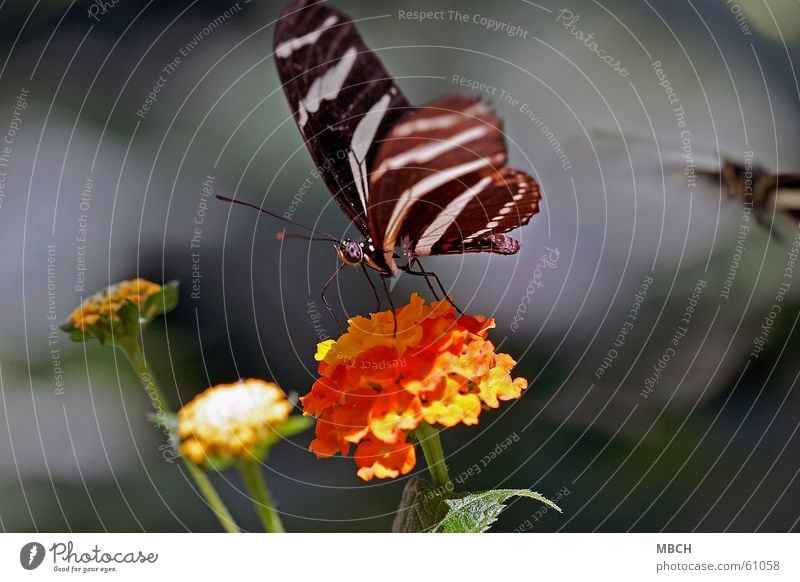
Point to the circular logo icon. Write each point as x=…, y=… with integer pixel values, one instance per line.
x=31, y=555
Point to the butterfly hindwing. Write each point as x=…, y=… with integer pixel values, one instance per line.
x=341, y=96
x=507, y=201
x=440, y=185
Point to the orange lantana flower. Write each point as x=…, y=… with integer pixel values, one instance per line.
x=377, y=386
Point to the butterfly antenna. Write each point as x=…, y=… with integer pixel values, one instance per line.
x=297, y=236
x=284, y=219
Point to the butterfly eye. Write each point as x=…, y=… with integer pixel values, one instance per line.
x=354, y=252
x=351, y=253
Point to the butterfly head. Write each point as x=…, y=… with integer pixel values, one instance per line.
x=350, y=252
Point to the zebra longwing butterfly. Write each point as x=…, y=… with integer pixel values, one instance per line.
x=429, y=180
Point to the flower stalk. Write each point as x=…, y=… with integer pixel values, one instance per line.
x=428, y=438
x=135, y=355
x=262, y=500
x=133, y=352
x=212, y=498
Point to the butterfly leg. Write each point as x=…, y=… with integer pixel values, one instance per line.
x=430, y=275
x=371, y=284
x=422, y=273
x=391, y=303
x=327, y=284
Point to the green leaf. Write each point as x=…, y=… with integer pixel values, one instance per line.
x=295, y=424
x=74, y=333
x=168, y=420
x=128, y=323
x=424, y=508
x=164, y=301
x=78, y=335
x=213, y=463
x=476, y=512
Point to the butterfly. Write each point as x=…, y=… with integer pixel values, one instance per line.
x=415, y=181
x=760, y=187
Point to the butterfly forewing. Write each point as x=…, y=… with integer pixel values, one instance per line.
x=440, y=185
x=342, y=98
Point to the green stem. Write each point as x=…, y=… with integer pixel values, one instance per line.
x=428, y=438
x=133, y=351
x=254, y=481
x=212, y=498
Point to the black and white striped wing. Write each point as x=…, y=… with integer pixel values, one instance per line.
x=342, y=98
x=440, y=184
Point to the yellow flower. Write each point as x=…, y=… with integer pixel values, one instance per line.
x=376, y=386
x=232, y=422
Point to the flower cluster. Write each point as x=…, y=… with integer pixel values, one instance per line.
x=108, y=302
x=232, y=422
x=122, y=309
x=377, y=386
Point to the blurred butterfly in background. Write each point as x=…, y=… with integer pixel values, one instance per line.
x=767, y=190
x=415, y=181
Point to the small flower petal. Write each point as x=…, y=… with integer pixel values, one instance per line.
x=378, y=459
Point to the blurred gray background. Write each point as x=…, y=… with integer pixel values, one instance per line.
x=712, y=446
